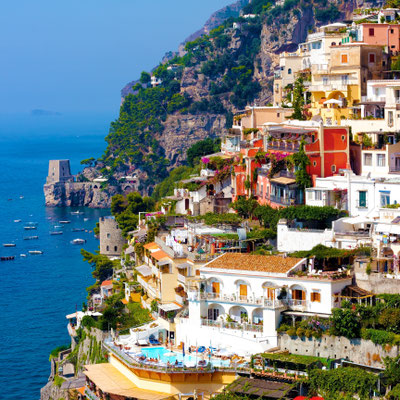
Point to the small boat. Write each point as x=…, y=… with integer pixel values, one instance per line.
x=57, y=226
x=31, y=237
x=77, y=212
x=86, y=219
x=17, y=220
x=35, y=252
x=56, y=233
x=9, y=258
x=78, y=241
x=78, y=229
x=33, y=223
x=65, y=222
x=30, y=227
x=22, y=255
x=21, y=197
x=9, y=244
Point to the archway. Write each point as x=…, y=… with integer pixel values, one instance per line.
x=257, y=316
x=238, y=314
x=298, y=294
x=243, y=288
x=215, y=311
x=214, y=285
x=269, y=290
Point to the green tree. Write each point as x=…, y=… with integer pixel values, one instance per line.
x=202, y=148
x=90, y=162
x=245, y=207
x=102, y=265
x=298, y=99
x=301, y=162
x=145, y=77
x=346, y=322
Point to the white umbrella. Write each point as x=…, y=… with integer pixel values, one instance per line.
x=333, y=101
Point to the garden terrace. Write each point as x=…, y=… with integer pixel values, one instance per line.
x=260, y=388
x=288, y=361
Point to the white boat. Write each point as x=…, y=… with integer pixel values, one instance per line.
x=56, y=233
x=22, y=255
x=31, y=237
x=78, y=241
x=86, y=219
x=65, y=222
x=9, y=244
x=35, y=252
x=77, y=212
x=17, y=220
x=21, y=197
x=30, y=227
x=57, y=226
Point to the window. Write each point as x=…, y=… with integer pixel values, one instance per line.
x=278, y=114
x=380, y=160
x=298, y=294
x=333, y=168
x=115, y=248
x=345, y=79
x=368, y=159
x=314, y=163
x=213, y=314
x=316, y=297
x=343, y=138
x=371, y=58
x=390, y=118
x=362, y=199
x=108, y=236
x=318, y=195
x=385, y=198
x=108, y=248
x=289, y=71
x=371, y=32
x=215, y=287
x=392, y=31
x=325, y=80
x=309, y=195
x=344, y=59
x=243, y=290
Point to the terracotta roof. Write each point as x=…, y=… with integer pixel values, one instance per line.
x=151, y=246
x=107, y=283
x=249, y=262
x=159, y=255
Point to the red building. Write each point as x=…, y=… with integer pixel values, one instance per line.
x=327, y=147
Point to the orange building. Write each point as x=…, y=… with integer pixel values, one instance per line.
x=326, y=146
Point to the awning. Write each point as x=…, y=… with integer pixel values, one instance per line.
x=151, y=246
x=159, y=255
x=283, y=180
x=183, y=266
x=163, y=262
x=333, y=101
x=388, y=228
x=144, y=270
x=169, y=307
x=109, y=380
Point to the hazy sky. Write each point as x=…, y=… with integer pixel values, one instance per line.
x=76, y=55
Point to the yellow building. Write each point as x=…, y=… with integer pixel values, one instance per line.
x=336, y=91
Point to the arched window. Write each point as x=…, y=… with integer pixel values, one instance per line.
x=108, y=248
x=115, y=248
x=289, y=71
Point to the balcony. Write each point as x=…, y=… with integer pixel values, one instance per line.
x=283, y=201
x=152, y=291
x=182, y=279
x=300, y=305
x=232, y=325
x=234, y=298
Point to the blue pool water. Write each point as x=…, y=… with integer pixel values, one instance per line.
x=38, y=291
x=161, y=353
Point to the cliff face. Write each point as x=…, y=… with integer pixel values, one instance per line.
x=77, y=194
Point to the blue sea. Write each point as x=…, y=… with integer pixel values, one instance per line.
x=38, y=291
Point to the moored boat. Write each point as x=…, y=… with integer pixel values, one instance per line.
x=78, y=241
x=56, y=233
x=17, y=220
x=9, y=244
x=35, y=252
x=7, y=258
x=78, y=229
x=65, y=222
x=31, y=237
x=30, y=227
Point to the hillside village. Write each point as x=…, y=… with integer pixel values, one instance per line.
x=270, y=269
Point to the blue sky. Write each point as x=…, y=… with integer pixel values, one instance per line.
x=76, y=55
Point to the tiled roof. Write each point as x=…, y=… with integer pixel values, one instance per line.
x=159, y=255
x=151, y=246
x=106, y=283
x=249, y=262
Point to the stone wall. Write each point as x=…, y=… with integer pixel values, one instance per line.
x=357, y=350
x=378, y=283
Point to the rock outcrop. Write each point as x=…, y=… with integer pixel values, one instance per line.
x=79, y=194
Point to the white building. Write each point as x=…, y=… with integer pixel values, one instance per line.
x=242, y=297
x=364, y=196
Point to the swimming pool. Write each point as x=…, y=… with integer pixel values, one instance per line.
x=162, y=354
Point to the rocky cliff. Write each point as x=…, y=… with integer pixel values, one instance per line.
x=78, y=194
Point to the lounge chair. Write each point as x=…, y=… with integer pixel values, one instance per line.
x=201, y=349
x=153, y=340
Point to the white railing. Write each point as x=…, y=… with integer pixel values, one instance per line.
x=182, y=279
x=232, y=325
x=298, y=304
x=234, y=298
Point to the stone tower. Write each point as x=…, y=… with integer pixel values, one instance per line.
x=59, y=171
x=111, y=240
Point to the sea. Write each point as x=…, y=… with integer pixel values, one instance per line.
x=38, y=291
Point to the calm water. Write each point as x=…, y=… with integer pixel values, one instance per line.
x=38, y=291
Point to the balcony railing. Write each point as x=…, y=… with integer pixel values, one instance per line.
x=182, y=279
x=234, y=298
x=298, y=304
x=232, y=325
x=283, y=200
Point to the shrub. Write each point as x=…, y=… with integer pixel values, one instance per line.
x=300, y=331
x=291, y=331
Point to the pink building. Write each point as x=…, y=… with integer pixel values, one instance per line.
x=381, y=34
